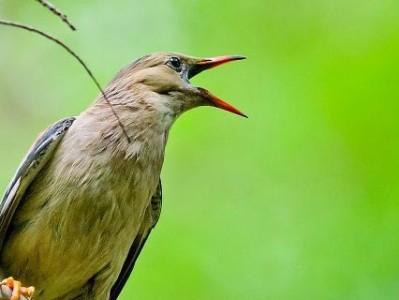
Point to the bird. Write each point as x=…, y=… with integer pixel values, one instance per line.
x=85, y=198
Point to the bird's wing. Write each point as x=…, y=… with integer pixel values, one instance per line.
x=39, y=154
x=150, y=220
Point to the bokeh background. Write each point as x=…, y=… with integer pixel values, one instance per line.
x=300, y=201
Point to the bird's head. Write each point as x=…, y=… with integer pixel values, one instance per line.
x=168, y=75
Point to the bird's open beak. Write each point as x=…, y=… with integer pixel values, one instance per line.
x=208, y=63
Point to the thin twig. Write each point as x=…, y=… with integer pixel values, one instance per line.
x=57, y=12
x=55, y=40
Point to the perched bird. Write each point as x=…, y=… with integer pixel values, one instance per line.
x=88, y=193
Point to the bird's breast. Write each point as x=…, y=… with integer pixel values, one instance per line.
x=84, y=209
x=107, y=187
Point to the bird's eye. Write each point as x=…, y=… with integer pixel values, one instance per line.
x=175, y=63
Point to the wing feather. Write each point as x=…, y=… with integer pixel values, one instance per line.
x=36, y=158
x=153, y=212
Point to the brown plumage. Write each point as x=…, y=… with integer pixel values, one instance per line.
x=84, y=200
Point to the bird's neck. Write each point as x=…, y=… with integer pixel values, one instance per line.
x=137, y=129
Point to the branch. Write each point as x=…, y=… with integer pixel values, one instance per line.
x=81, y=62
x=57, y=12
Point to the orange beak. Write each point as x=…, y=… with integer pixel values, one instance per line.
x=209, y=63
x=219, y=103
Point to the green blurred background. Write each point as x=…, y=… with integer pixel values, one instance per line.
x=300, y=201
